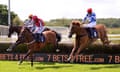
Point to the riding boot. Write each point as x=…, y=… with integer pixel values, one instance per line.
x=91, y=32
x=41, y=37
x=36, y=37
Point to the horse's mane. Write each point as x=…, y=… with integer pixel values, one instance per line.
x=28, y=30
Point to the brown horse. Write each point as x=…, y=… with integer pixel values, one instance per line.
x=51, y=37
x=82, y=39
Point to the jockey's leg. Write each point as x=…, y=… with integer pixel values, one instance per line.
x=41, y=37
x=36, y=37
x=40, y=34
x=90, y=28
x=91, y=32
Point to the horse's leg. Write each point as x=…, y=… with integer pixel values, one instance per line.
x=83, y=42
x=27, y=54
x=82, y=46
x=31, y=57
x=56, y=46
x=76, y=45
x=104, y=37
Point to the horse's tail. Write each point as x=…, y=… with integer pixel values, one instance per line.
x=58, y=35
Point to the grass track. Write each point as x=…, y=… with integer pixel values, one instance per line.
x=11, y=66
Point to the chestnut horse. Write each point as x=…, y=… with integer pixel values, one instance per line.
x=51, y=37
x=82, y=39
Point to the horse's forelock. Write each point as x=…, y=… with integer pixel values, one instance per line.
x=76, y=22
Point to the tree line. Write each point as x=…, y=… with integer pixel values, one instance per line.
x=109, y=22
x=4, y=16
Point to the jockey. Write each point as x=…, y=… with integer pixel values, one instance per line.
x=90, y=18
x=28, y=23
x=39, y=27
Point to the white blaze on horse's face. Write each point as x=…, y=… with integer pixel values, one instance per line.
x=70, y=31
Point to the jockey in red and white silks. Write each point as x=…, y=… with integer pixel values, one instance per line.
x=38, y=25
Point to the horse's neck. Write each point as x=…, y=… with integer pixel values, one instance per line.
x=17, y=29
x=29, y=36
x=81, y=31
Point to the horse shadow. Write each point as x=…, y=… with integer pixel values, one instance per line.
x=51, y=65
x=108, y=66
x=42, y=63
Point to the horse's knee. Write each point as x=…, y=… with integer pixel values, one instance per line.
x=76, y=49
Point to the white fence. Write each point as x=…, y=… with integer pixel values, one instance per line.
x=62, y=30
x=65, y=39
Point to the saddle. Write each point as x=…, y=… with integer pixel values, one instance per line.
x=40, y=37
x=92, y=32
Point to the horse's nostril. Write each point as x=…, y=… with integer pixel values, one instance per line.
x=9, y=36
x=69, y=36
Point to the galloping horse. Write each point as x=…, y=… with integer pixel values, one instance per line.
x=82, y=39
x=51, y=37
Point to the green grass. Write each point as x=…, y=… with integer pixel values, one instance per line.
x=11, y=66
x=113, y=30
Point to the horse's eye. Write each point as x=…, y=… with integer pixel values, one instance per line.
x=77, y=23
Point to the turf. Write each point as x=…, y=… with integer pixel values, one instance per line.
x=12, y=66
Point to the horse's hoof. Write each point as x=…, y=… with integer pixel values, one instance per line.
x=66, y=61
x=19, y=63
x=9, y=50
x=57, y=50
x=69, y=59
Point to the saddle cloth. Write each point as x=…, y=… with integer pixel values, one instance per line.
x=39, y=37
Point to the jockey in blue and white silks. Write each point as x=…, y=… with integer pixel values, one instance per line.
x=29, y=23
x=90, y=18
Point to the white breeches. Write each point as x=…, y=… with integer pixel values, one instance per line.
x=92, y=24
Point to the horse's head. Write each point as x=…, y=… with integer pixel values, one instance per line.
x=74, y=27
x=22, y=38
x=13, y=29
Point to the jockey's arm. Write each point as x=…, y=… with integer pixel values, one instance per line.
x=83, y=21
x=36, y=29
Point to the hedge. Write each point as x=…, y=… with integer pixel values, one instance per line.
x=65, y=48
